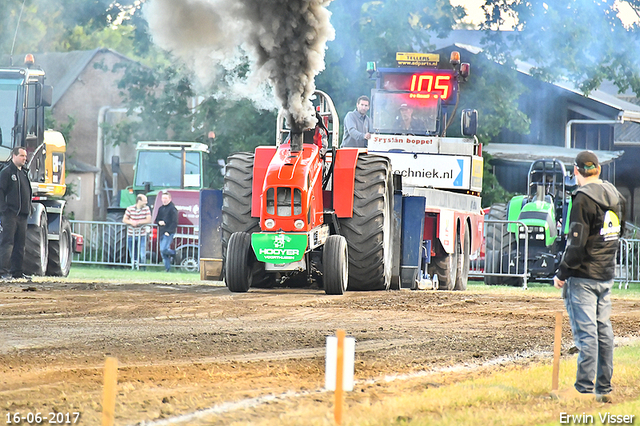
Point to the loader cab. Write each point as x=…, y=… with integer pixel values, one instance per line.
x=419, y=96
x=23, y=96
x=162, y=165
x=397, y=113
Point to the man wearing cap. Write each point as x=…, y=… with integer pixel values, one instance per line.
x=357, y=126
x=586, y=274
x=406, y=122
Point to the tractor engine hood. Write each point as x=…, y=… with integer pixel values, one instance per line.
x=290, y=185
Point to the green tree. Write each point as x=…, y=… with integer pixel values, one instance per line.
x=65, y=25
x=374, y=31
x=582, y=41
x=160, y=104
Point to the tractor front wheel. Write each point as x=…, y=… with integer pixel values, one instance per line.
x=240, y=261
x=446, y=267
x=60, y=251
x=464, y=261
x=36, y=249
x=335, y=263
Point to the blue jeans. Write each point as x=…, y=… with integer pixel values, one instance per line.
x=137, y=244
x=588, y=304
x=166, y=251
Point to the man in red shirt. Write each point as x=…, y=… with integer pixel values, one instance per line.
x=137, y=217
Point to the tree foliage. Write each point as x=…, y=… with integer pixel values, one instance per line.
x=162, y=105
x=375, y=31
x=580, y=41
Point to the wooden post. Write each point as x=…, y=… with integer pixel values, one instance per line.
x=557, y=342
x=337, y=414
x=109, y=396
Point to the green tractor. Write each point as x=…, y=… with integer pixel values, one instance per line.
x=544, y=211
x=181, y=168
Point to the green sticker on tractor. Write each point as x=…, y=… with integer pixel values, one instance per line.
x=279, y=248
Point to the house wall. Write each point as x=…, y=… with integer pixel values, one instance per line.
x=80, y=204
x=94, y=88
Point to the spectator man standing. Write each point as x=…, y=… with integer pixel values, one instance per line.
x=357, y=126
x=137, y=216
x=586, y=274
x=167, y=221
x=15, y=207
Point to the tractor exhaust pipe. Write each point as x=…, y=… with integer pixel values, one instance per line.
x=296, y=138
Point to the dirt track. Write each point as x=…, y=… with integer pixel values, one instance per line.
x=181, y=348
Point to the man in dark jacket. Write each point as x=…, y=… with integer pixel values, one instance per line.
x=586, y=275
x=167, y=221
x=15, y=207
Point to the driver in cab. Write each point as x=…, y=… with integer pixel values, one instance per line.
x=407, y=123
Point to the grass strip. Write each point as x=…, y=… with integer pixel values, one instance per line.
x=508, y=395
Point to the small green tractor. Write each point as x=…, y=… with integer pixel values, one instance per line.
x=542, y=219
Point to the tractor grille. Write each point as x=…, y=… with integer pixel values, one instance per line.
x=281, y=203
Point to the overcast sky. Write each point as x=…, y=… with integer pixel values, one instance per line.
x=475, y=14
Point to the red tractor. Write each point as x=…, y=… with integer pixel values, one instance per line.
x=303, y=211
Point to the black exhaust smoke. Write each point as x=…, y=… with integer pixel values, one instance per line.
x=285, y=41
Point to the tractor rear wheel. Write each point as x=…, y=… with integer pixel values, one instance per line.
x=114, y=243
x=36, y=249
x=335, y=264
x=60, y=251
x=240, y=261
x=236, y=206
x=368, y=231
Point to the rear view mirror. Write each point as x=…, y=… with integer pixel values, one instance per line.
x=46, y=95
x=469, y=122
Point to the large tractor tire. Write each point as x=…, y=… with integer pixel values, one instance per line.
x=36, y=249
x=368, y=231
x=240, y=263
x=464, y=259
x=446, y=268
x=114, y=243
x=236, y=208
x=335, y=264
x=61, y=251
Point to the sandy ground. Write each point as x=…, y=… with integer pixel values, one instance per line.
x=182, y=348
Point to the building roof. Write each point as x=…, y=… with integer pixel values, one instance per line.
x=63, y=68
x=77, y=166
x=626, y=133
x=526, y=153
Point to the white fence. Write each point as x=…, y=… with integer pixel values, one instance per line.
x=107, y=243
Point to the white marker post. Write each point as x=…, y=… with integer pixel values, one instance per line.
x=339, y=366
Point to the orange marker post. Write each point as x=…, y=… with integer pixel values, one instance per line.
x=337, y=414
x=109, y=397
x=557, y=342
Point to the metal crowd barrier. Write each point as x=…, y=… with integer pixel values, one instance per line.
x=501, y=258
x=628, y=262
x=107, y=243
x=511, y=266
